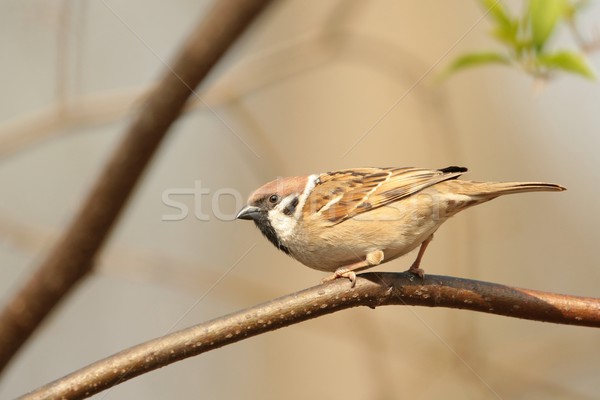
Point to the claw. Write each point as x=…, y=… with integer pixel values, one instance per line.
x=417, y=271
x=341, y=273
x=351, y=275
x=349, y=271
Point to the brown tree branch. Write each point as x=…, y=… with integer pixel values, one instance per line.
x=73, y=256
x=371, y=290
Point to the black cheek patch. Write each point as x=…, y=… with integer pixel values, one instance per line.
x=291, y=208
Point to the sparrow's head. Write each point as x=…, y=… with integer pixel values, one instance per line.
x=276, y=207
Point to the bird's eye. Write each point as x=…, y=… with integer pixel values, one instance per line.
x=273, y=198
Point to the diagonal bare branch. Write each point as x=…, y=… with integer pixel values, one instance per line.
x=73, y=256
x=371, y=290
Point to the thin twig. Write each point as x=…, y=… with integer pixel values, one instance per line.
x=371, y=290
x=73, y=256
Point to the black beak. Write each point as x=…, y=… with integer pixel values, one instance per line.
x=249, y=212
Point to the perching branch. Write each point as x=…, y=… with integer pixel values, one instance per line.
x=73, y=256
x=371, y=290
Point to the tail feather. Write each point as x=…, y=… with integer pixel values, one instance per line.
x=494, y=189
x=481, y=192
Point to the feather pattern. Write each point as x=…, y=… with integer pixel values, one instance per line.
x=343, y=194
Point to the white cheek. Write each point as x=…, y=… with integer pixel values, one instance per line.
x=283, y=224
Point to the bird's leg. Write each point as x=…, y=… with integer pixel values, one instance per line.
x=414, y=268
x=349, y=271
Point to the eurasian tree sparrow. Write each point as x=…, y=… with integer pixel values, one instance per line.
x=349, y=220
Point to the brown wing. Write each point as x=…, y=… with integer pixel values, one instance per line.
x=340, y=195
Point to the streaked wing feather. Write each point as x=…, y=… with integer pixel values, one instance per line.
x=363, y=189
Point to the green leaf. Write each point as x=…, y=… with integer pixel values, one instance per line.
x=475, y=59
x=507, y=34
x=567, y=61
x=543, y=16
x=506, y=26
x=498, y=12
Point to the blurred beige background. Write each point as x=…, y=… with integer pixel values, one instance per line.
x=313, y=86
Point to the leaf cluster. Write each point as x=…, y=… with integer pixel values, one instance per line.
x=526, y=39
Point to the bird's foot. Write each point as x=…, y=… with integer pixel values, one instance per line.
x=341, y=273
x=349, y=271
x=417, y=271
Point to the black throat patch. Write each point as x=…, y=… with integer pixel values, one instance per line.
x=267, y=229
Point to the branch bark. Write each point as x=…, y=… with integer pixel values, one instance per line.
x=371, y=290
x=73, y=256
